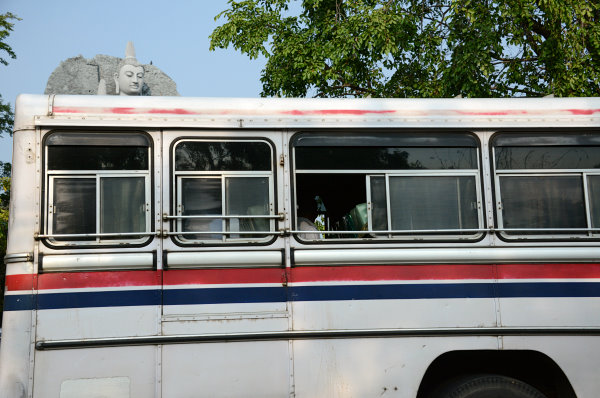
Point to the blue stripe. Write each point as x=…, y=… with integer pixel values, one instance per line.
x=48, y=301
x=19, y=302
x=549, y=289
x=384, y=292
x=224, y=295
x=23, y=302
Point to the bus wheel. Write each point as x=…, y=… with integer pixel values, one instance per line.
x=486, y=386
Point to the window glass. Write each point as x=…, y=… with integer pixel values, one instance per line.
x=202, y=196
x=547, y=157
x=594, y=198
x=97, y=157
x=379, y=203
x=247, y=196
x=74, y=207
x=123, y=204
x=433, y=203
x=542, y=202
x=385, y=158
x=222, y=156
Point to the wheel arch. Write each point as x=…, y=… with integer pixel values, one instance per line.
x=531, y=367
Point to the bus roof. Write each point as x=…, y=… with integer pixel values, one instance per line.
x=122, y=111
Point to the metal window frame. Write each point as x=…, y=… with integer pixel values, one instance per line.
x=76, y=241
x=97, y=175
x=512, y=233
x=226, y=237
x=178, y=234
x=404, y=235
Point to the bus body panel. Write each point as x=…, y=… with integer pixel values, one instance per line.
x=231, y=311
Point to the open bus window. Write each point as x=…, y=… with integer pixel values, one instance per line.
x=389, y=186
x=98, y=188
x=548, y=185
x=224, y=191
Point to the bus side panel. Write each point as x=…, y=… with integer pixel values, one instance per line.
x=119, y=372
x=242, y=369
x=371, y=367
x=15, y=354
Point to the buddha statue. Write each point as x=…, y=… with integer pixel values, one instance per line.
x=129, y=79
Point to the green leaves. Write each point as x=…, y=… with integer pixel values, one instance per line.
x=5, y=28
x=427, y=48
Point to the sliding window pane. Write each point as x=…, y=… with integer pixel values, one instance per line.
x=378, y=204
x=543, y=202
x=247, y=196
x=202, y=196
x=433, y=203
x=74, y=206
x=122, y=204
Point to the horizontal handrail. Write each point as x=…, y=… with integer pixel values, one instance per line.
x=98, y=235
x=224, y=233
x=228, y=217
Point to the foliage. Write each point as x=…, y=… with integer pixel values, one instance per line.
x=424, y=48
x=6, y=26
x=6, y=126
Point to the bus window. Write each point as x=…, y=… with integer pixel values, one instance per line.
x=388, y=186
x=224, y=191
x=98, y=188
x=547, y=185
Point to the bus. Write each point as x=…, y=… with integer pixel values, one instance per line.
x=269, y=247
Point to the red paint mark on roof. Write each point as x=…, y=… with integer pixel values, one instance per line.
x=174, y=111
x=123, y=111
x=60, y=109
x=493, y=113
x=583, y=111
x=357, y=112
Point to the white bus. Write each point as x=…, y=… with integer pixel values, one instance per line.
x=217, y=247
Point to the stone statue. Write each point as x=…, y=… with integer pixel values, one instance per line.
x=107, y=75
x=129, y=80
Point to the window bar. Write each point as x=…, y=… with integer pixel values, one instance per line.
x=586, y=202
x=388, y=203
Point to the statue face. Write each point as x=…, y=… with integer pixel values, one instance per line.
x=130, y=80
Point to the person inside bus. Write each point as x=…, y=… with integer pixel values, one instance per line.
x=307, y=211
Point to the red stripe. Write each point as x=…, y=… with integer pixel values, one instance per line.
x=223, y=276
x=21, y=282
x=392, y=272
x=548, y=271
x=76, y=280
x=366, y=273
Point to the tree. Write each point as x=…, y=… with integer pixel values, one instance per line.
x=6, y=127
x=6, y=26
x=424, y=48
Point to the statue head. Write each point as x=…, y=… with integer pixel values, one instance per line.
x=129, y=79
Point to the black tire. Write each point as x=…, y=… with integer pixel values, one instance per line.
x=486, y=386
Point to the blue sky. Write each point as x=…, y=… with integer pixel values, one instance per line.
x=172, y=34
